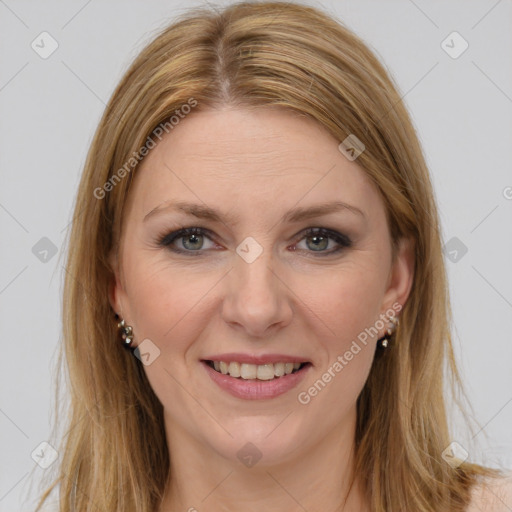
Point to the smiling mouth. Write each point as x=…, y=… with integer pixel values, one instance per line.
x=262, y=372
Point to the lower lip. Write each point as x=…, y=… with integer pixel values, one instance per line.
x=255, y=389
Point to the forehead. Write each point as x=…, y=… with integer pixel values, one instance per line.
x=249, y=158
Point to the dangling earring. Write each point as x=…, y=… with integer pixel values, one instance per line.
x=393, y=323
x=125, y=333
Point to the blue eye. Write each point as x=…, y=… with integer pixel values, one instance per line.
x=320, y=240
x=193, y=238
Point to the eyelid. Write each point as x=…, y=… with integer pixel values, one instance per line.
x=167, y=239
x=171, y=236
x=340, y=238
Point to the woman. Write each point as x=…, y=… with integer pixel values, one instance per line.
x=256, y=313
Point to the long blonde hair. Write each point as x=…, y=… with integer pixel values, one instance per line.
x=271, y=54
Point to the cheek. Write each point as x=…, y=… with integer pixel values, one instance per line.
x=166, y=304
x=344, y=308
x=345, y=300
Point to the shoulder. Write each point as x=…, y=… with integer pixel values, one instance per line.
x=492, y=495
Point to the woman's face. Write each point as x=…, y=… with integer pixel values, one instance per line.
x=254, y=283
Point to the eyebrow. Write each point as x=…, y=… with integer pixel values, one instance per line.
x=295, y=215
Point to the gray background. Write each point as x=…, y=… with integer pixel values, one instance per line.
x=49, y=108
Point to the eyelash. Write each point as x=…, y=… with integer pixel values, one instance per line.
x=167, y=239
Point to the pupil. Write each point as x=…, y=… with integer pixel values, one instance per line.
x=318, y=240
x=194, y=239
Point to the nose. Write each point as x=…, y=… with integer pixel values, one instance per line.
x=257, y=300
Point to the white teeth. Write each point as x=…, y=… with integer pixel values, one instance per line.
x=248, y=371
x=234, y=369
x=265, y=371
x=278, y=369
x=255, y=371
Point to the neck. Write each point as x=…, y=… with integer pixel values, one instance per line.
x=317, y=479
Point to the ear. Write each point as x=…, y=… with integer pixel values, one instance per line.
x=401, y=275
x=115, y=287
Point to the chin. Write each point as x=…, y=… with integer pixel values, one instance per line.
x=258, y=441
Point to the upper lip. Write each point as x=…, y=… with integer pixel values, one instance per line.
x=256, y=359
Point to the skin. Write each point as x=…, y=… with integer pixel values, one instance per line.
x=493, y=496
x=256, y=164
